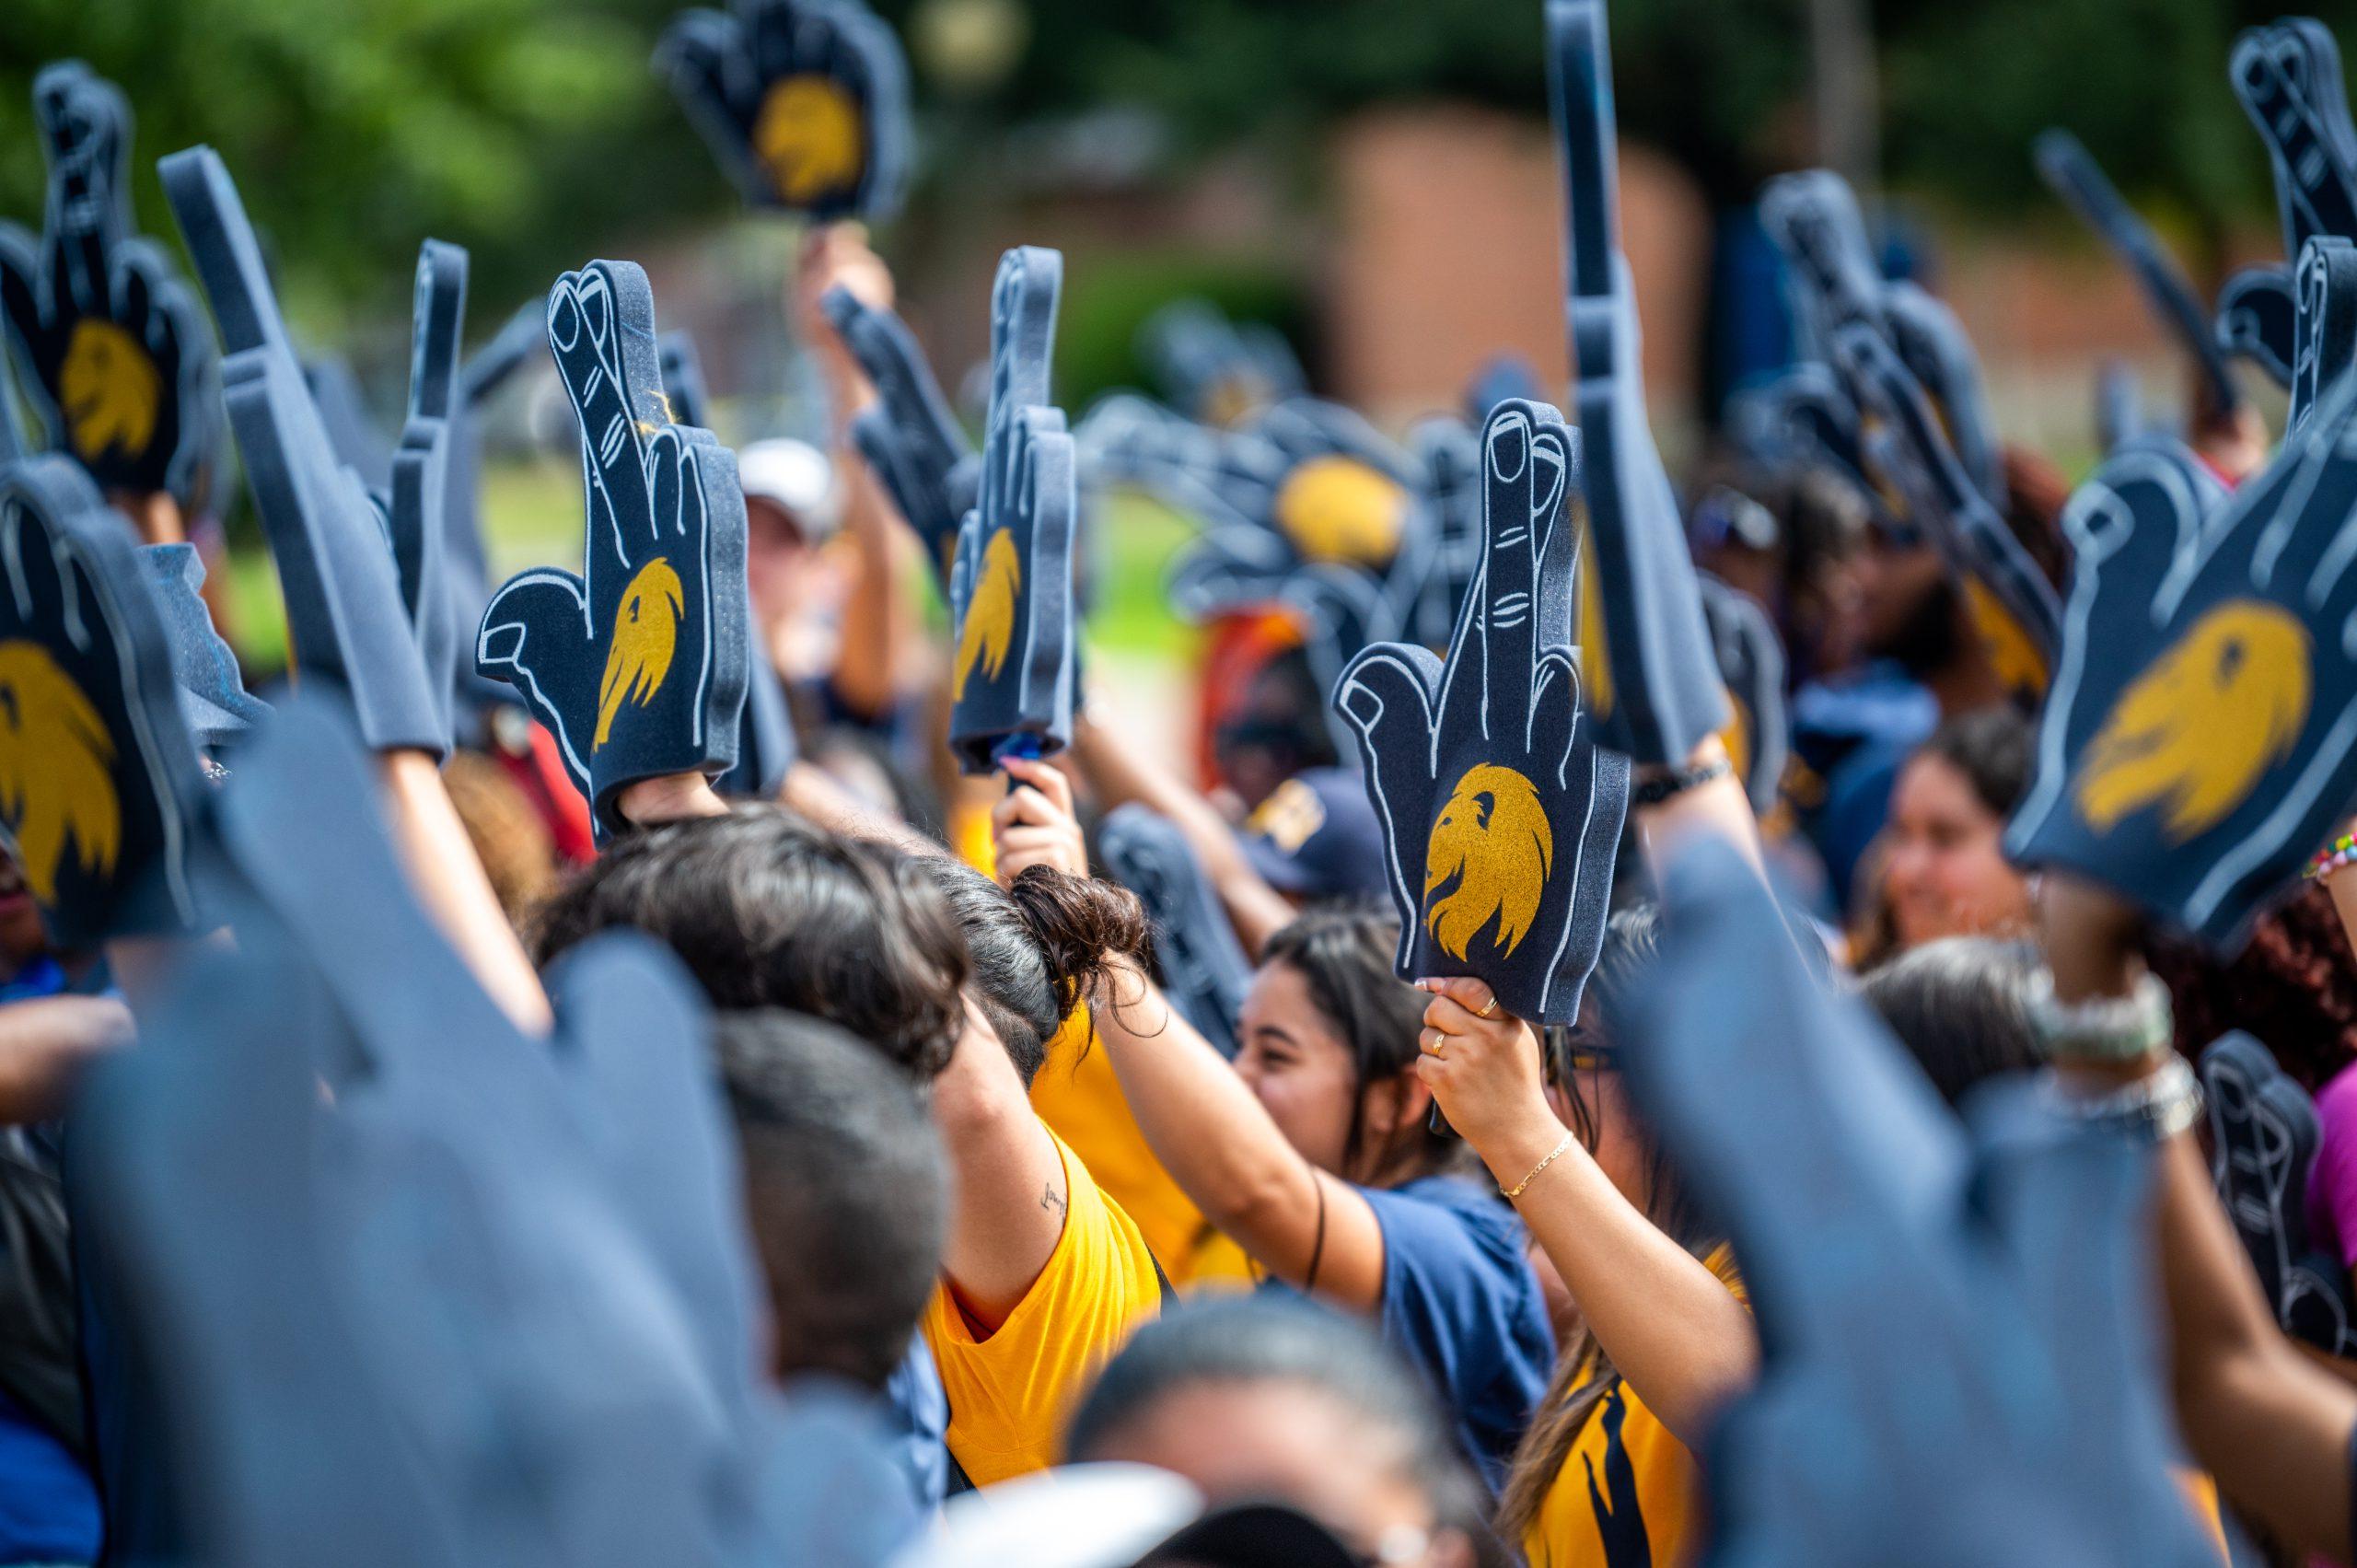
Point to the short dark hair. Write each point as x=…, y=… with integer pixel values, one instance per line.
x=844, y=1189
x=1038, y=946
x=769, y=910
x=1957, y=1006
x=1257, y=1339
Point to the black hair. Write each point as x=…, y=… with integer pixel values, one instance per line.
x=844, y=1191
x=1264, y=1340
x=1038, y=946
x=1992, y=748
x=1957, y=1006
x=1344, y=952
x=768, y=911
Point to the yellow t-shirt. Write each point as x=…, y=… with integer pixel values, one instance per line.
x=1629, y=1492
x=1077, y=1095
x=1009, y=1393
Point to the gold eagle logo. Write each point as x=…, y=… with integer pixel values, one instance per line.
x=988, y=629
x=1336, y=508
x=56, y=771
x=807, y=137
x=646, y=633
x=2194, y=732
x=1494, y=839
x=109, y=391
x=2018, y=664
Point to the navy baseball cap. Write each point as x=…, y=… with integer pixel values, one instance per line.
x=1316, y=836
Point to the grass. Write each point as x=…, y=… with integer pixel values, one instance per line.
x=532, y=512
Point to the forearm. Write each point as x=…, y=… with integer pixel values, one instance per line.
x=1677, y=1335
x=1007, y=1182
x=879, y=620
x=2272, y=1428
x=1118, y=775
x=818, y=797
x=44, y=1044
x=1719, y=808
x=1208, y=1129
x=449, y=882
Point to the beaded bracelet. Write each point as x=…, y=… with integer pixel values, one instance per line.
x=2341, y=852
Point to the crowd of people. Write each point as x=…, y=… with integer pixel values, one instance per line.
x=1620, y=1033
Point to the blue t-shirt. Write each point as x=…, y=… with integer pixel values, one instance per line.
x=917, y=1421
x=49, y=1507
x=1460, y=1298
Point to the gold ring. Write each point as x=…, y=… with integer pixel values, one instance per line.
x=1438, y=1048
x=1492, y=1009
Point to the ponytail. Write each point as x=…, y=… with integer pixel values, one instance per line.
x=1040, y=949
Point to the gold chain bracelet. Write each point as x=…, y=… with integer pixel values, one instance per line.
x=1515, y=1192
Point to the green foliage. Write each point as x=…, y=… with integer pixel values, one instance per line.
x=1106, y=302
x=356, y=128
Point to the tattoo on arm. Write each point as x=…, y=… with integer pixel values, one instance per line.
x=1051, y=1199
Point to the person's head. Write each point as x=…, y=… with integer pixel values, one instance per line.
x=1275, y=729
x=22, y=936
x=1328, y=1040
x=2289, y=987
x=1037, y=948
x=792, y=507
x=844, y=1188
x=1918, y=613
x=1943, y=871
x=1957, y=1006
x=768, y=911
x=1255, y=1398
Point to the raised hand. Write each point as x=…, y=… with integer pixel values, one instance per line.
x=334, y=548
x=1644, y=657
x=98, y=779
x=804, y=102
x=2288, y=76
x=1975, y=1299
x=1011, y=674
x=909, y=438
x=111, y=353
x=2324, y=329
x=1205, y=971
x=1751, y=664
x=2200, y=740
x=2263, y=1136
x=638, y=667
x=2012, y=606
x=2072, y=174
x=1501, y=815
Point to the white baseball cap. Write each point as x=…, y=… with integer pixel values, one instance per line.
x=796, y=476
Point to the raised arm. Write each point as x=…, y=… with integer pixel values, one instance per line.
x=2274, y=1427
x=1682, y=1341
x=1310, y=1229
x=1119, y=775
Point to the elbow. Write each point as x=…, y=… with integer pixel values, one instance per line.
x=1255, y=1200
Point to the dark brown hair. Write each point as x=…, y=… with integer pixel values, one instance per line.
x=1038, y=946
x=769, y=910
x=2292, y=988
x=1343, y=953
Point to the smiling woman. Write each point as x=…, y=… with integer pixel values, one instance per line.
x=1943, y=870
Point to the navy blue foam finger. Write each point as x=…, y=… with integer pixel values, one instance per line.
x=99, y=785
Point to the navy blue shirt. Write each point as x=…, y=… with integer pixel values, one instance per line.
x=1460, y=1298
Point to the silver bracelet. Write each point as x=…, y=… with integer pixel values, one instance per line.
x=2106, y=1029
x=2153, y=1109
